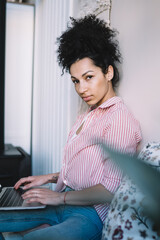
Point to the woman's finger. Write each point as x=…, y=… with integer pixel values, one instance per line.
x=34, y=199
x=29, y=193
x=20, y=182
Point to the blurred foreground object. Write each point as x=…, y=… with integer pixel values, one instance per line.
x=145, y=176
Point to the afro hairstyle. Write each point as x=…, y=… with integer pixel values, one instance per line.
x=89, y=37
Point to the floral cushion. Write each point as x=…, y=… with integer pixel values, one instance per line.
x=151, y=154
x=126, y=218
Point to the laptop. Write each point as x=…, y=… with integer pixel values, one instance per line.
x=11, y=199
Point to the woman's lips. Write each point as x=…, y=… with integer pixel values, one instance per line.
x=87, y=98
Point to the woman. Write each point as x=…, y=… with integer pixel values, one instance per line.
x=88, y=178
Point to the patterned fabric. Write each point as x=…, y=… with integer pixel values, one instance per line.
x=84, y=163
x=126, y=218
x=151, y=154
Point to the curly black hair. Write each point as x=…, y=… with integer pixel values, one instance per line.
x=89, y=37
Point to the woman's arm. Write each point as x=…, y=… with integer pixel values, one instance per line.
x=89, y=196
x=53, y=177
x=97, y=194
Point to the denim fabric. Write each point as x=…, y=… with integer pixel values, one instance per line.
x=67, y=222
x=1, y=237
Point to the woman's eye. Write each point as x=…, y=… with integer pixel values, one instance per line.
x=89, y=77
x=75, y=81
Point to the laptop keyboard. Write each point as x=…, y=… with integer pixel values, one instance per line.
x=11, y=198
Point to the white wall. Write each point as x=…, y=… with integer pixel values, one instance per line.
x=138, y=23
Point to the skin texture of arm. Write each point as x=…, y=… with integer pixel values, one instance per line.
x=89, y=196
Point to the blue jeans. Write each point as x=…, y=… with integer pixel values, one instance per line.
x=67, y=223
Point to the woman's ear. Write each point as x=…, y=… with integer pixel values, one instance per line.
x=110, y=73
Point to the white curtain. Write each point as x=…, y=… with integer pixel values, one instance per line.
x=54, y=98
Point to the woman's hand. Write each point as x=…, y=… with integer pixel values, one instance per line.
x=34, y=181
x=44, y=196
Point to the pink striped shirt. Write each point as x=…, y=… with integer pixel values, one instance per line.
x=84, y=163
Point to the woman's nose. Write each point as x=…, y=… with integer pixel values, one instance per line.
x=82, y=87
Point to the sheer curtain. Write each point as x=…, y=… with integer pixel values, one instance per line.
x=54, y=98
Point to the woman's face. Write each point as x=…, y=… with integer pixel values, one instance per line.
x=91, y=84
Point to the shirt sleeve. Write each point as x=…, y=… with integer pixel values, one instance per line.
x=121, y=134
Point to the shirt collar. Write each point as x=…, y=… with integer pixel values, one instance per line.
x=109, y=103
